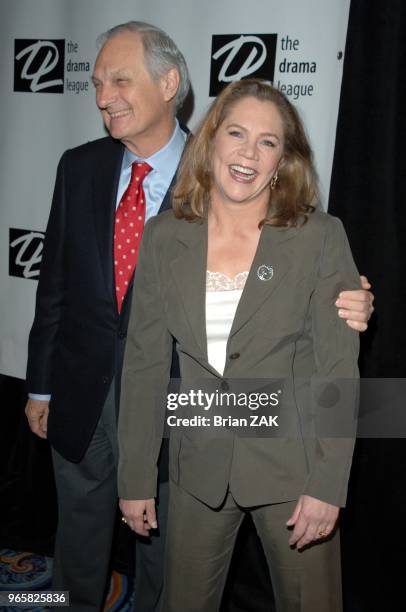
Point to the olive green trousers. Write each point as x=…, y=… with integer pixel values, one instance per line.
x=200, y=542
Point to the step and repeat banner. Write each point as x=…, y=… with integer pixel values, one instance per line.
x=48, y=48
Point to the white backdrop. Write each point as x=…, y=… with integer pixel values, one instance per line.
x=38, y=125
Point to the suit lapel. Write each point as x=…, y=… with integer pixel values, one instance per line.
x=105, y=184
x=271, y=263
x=167, y=201
x=189, y=276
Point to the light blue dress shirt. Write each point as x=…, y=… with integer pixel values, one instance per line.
x=164, y=164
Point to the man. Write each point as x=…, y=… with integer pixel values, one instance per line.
x=77, y=341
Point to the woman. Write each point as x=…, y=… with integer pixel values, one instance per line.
x=243, y=275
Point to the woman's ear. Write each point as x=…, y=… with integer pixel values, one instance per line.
x=281, y=163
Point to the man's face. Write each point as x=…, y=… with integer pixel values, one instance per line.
x=136, y=109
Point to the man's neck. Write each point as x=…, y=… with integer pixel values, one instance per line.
x=152, y=141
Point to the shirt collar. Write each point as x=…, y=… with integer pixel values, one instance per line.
x=166, y=160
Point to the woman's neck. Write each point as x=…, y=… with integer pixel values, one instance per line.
x=235, y=218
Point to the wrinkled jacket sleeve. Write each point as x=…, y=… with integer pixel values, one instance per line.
x=144, y=380
x=50, y=293
x=334, y=387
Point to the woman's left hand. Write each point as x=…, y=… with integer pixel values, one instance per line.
x=312, y=520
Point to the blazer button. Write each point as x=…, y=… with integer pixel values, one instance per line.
x=106, y=380
x=234, y=355
x=122, y=335
x=224, y=386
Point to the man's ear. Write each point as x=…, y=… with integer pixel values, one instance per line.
x=170, y=84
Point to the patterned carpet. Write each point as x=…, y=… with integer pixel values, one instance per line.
x=30, y=572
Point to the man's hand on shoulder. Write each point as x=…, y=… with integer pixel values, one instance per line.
x=37, y=414
x=356, y=307
x=139, y=514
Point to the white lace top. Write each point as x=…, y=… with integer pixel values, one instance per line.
x=222, y=296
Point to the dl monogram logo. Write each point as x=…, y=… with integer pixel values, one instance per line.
x=25, y=253
x=39, y=65
x=241, y=56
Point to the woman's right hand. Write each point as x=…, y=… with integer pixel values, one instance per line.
x=139, y=514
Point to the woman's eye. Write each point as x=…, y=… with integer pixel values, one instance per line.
x=268, y=143
x=235, y=133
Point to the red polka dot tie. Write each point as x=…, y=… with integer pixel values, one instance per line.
x=130, y=219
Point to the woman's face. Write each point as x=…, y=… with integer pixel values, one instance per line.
x=246, y=152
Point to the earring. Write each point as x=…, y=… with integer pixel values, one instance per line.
x=274, y=180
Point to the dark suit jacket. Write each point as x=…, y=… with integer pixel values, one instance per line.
x=285, y=328
x=76, y=344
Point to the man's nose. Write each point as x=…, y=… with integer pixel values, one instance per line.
x=105, y=95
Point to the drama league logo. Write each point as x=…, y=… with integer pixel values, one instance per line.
x=25, y=253
x=39, y=65
x=241, y=56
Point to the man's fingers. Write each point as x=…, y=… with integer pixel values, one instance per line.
x=37, y=415
x=357, y=325
x=354, y=304
x=356, y=295
x=40, y=433
x=354, y=315
x=365, y=284
x=356, y=312
x=36, y=429
x=44, y=423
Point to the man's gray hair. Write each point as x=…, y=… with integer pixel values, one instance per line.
x=160, y=53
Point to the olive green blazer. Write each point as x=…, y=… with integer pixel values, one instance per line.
x=286, y=327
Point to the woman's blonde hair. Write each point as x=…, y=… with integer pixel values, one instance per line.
x=295, y=194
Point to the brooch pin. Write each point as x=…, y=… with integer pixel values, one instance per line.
x=265, y=273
